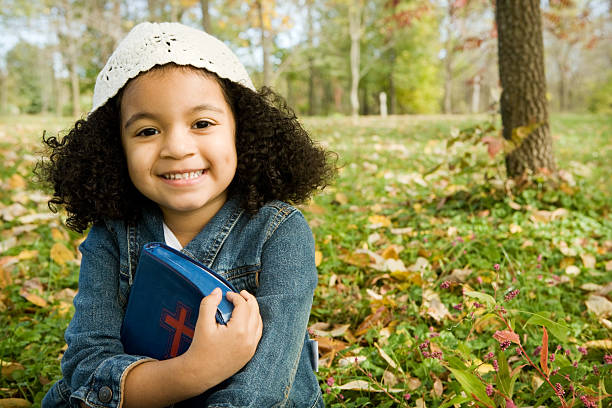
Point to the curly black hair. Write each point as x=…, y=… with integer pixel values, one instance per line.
x=277, y=160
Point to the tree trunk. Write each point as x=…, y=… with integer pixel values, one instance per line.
x=311, y=67
x=521, y=73
x=355, y=34
x=448, y=61
x=265, y=46
x=392, y=100
x=205, y=16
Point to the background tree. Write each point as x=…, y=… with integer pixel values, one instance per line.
x=524, y=107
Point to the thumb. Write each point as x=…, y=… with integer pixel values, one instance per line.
x=208, y=307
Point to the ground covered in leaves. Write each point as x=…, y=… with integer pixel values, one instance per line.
x=440, y=283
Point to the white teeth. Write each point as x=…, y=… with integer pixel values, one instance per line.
x=183, y=176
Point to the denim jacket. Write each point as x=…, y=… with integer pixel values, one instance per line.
x=270, y=254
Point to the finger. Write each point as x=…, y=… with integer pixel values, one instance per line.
x=235, y=298
x=208, y=306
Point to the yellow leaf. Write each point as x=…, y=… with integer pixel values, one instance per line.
x=390, y=253
x=572, y=270
x=16, y=182
x=318, y=258
x=57, y=235
x=14, y=403
x=599, y=344
x=378, y=221
x=567, y=261
x=27, y=254
x=60, y=254
x=341, y=198
x=33, y=298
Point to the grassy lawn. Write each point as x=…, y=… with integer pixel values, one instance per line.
x=422, y=246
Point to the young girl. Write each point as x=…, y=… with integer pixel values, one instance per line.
x=180, y=148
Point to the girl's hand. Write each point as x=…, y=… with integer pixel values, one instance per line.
x=217, y=352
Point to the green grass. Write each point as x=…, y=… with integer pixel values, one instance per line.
x=445, y=205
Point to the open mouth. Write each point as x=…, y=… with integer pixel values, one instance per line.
x=183, y=176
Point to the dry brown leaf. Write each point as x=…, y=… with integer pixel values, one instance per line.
x=387, y=358
x=391, y=252
x=378, y=221
x=588, y=260
x=487, y=322
x=58, y=235
x=9, y=367
x=13, y=211
x=341, y=198
x=314, y=208
x=327, y=344
x=413, y=383
x=354, y=258
x=389, y=378
x=362, y=385
x=60, y=254
x=433, y=306
x=380, y=316
x=16, y=182
x=420, y=403
x=14, y=403
x=547, y=216
x=506, y=335
x=599, y=305
x=438, y=389
x=31, y=291
x=599, y=344
x=460, y=275
x=515, y=229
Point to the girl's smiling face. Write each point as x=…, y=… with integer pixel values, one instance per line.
x=178, y=134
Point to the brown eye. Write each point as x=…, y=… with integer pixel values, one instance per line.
x=147, y=132
x=202, y=124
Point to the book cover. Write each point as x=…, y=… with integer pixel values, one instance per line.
x=164, y=302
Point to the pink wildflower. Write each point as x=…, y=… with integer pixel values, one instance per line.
x=478, y=305
x=537, y=350
x=445, y=285
x=511, y=295
x=479, y=279
x=608, y=359
x=330, y=381
x=510, y=404
x=437, y=354
x=559, y=390
x=495, y=366
x=496, y=266
x=575, y=364
x=489, y=355
x=341, y=396
x=551, y=357
x=407, y=396
x=490, y=390
x=583, y=350
x=595, y=369
x=504, y=344
x=558, y=347
x=458, y=306
x=370, y=375
x=588, y=402
x=539, y=257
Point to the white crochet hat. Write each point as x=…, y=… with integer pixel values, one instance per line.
x=150, y=44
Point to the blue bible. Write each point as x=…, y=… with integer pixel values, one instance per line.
x=164, y=302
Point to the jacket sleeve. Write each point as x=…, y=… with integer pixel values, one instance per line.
x=287, y=282
x=94, y=365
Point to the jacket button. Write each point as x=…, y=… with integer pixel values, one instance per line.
x=105, y=394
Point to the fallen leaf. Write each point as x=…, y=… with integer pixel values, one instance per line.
x=13, y=211
x=327, y=344
x=494, y=145
x=60, y=254
x=14, y=403
x=391, y=252
x=599, y=344
x=31, y=291
x=413, y=383
x=609, y=266
x=460, y=275
x=547, y=216
x=359, y=259
x=386, y=357
x=341, y=198
x=318, y=258
x=438, y=389
x=16, y=182
x=378, y=221
x=362, y=385
x=565, y=249
x=599, y=305
x=389, y=378
x=588, y=260
x=572, y=270
x=9, y=367
x=433, y=306
x=506, y=335
x=591, y=287
x=379, y=316
x=420, y=403
x=58, y=235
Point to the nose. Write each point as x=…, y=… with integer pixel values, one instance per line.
x=178, y=143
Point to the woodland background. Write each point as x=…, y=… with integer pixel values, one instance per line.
x=464, y=252
x=428, y=56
